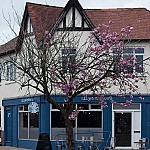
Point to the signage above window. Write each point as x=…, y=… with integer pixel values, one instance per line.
x=33, y=107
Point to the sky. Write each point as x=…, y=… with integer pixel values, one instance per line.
x=9, y=7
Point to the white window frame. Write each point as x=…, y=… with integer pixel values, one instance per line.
x=28, y=126
x=76, y=128
x=10, y=70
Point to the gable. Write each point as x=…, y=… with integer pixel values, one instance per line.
x=74, y=18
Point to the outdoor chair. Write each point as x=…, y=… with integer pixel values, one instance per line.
x=144, y=143
x=112, y=144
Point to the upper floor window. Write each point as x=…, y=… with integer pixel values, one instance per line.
x=68, y=59
x=31, y=62
x=127, y=55
x=11, y=70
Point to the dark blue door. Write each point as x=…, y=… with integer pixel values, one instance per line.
x=8, y=129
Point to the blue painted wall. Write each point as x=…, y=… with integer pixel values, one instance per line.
x=44, y=116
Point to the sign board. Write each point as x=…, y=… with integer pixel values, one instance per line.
x=33, y=107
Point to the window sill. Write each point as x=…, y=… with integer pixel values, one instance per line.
x=10, y=82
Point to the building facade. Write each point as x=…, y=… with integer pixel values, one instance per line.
x=24, y=116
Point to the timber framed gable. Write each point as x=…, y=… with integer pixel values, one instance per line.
x=73, y=18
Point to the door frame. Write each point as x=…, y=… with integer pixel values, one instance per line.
x=127, y=110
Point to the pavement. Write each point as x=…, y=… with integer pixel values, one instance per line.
x=12, y=148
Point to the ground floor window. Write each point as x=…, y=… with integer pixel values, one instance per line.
x=28, y=123
x=89, y=120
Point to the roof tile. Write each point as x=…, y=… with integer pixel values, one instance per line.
x=43, y=18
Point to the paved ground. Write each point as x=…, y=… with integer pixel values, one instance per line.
x=11, y=148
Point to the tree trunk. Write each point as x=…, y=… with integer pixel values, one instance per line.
x=69, y=134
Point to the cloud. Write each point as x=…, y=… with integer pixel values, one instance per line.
x=138, y=4
x=19, y=6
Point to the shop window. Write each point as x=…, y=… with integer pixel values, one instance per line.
x=82, y=124
x=58, y=124
x=85, y=117
x=28, y=123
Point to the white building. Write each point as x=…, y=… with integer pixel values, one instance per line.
x=20, y=128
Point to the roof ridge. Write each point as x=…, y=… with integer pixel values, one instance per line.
x=140, y=8
x=45, y=5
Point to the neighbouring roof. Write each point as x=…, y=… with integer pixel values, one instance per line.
x=8, y=47
x=44, y=17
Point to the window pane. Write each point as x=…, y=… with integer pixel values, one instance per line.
x=64, y=63
x=95, y=106
x=57, y=119
x=58, y=124
x=11, y=72
x=132, y=106
x=116, y=59
x=129, y=67
x=34, y=120
x=25, y=107
x=7, y=72
x=68, y=59
x=128, y=50
x=25, y=119
x=89, y=122
x=23, y=130
x=139, y=66
x=85, y=117
x=21, y=108
x=33, y=129
x=28, y=123
x=83, y=106
x=139, y=50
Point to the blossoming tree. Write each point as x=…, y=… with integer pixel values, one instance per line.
x=97, y=66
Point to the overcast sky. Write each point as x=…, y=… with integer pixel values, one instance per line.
x=19, y=5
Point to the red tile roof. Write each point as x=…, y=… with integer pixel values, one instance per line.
x=138, y=18
x=8, y=47
x=43, y=18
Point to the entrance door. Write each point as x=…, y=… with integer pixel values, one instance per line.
x=8, y=126
x=123, y=125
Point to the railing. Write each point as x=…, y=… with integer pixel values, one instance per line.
x=84, y=140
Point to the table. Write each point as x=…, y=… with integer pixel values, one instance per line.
x=141, y=143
